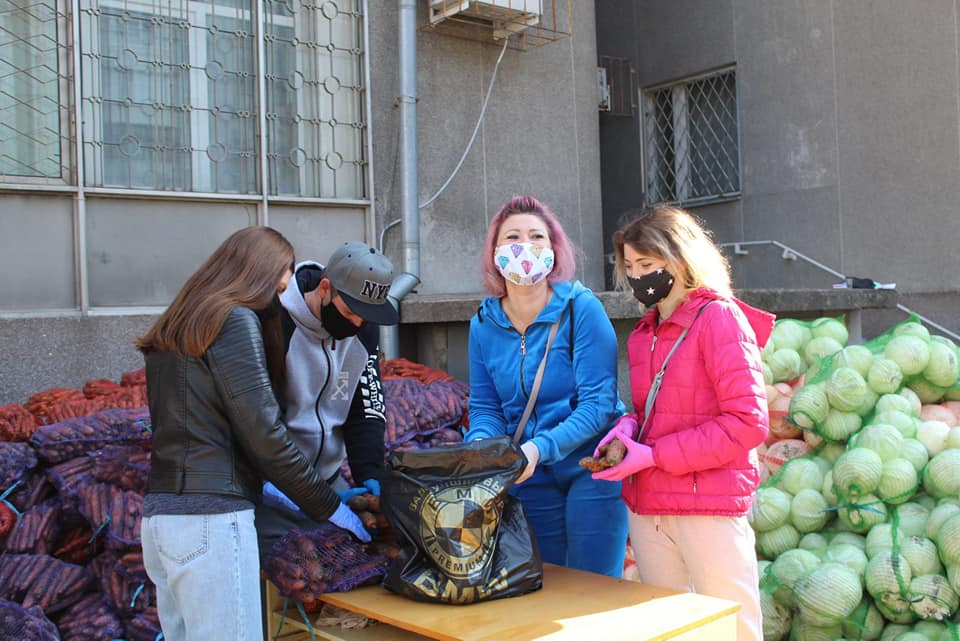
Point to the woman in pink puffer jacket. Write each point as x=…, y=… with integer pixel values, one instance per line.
x=691, y=468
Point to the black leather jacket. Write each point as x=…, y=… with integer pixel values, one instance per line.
x=217, y=427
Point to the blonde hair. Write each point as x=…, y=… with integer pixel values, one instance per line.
x=676, y=236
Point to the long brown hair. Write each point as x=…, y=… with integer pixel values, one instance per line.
x=243, y=271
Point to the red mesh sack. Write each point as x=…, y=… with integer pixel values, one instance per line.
x=16, y=423
x=89, y=619
x=100, y=387
x=75, y=544
x=43, y=581
x=307, y=563
x=402, y=368
x=41, y=403
x=25, y=624
x=37, y=529
x=136, y=377
x=127, y=467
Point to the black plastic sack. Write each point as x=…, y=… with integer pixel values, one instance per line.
x=463, y=538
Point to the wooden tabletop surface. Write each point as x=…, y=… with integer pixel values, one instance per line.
x=571, y=605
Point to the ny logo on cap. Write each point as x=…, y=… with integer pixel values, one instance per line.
x=374, y=291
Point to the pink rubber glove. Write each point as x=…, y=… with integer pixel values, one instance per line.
x=639, y=457
x=626, y=426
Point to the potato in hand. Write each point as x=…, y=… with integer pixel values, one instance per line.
x=611, y=454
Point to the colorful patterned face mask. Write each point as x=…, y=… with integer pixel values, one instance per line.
x=524, y=263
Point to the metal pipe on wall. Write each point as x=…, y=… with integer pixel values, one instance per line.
x=409, y=192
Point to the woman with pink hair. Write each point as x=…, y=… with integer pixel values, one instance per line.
x=528, y=268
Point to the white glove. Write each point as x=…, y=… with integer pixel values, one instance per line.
x=345, y=518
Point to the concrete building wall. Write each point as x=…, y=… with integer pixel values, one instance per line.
x=849, y=120
x=539, y=136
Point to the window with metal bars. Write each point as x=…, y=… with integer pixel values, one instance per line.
x=169, y=95
x=691, y=149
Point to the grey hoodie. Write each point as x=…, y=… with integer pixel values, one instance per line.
x=333, y=398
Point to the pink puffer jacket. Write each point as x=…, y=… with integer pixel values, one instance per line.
x=710, y=413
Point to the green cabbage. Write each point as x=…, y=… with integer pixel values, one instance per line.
x=846, y=389
x=884, y=375
x=791, y=334
x=809, y=406
x=831, y=327
x=820, y=347
x=909, y=352
x=943, y=368
x=855, y=357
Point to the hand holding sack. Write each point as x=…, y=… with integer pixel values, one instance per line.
x=463, y=537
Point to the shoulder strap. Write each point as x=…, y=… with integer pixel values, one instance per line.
x=658, y=379
x=535, y=390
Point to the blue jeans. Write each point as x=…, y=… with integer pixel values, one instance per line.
x=578, y=522
x=207, y=573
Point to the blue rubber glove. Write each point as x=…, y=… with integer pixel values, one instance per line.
x=373, y=486
x=345, y=518
x=277, y=499
x=346, y=495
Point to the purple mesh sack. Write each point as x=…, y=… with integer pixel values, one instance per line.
x=15, y=460
x=41, y=580
x=123, y=530
x=36, y=530
x=25, y=624
x=127, y=467
x=415, y=410
x=143, y=627
x=67, y=477
x=127, y=595
x=306, y=563
x=89, y=619
x=94, y=502
x=76, y=436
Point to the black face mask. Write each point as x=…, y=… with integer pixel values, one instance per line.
x=651, y=288
x=272, y=310
x=336, y=324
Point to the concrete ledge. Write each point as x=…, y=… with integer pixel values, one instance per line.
x=453, y=308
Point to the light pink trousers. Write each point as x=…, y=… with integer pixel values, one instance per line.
x=711, y=555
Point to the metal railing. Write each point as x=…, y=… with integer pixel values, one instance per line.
x=788, y=253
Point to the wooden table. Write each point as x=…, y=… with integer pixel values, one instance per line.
x=572, y=605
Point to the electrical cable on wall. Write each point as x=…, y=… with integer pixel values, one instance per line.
x=473, y=137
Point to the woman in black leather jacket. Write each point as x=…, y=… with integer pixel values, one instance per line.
x=213, y=360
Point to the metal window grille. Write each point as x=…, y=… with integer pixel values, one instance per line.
x=34, y=122
x=691, y=145
x=169, y=93
x=314, y=76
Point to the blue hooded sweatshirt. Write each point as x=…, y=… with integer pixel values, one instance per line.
x=578, y=400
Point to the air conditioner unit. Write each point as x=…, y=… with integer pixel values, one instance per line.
x=506, y=17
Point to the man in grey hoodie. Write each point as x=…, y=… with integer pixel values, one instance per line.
x=332, y=398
